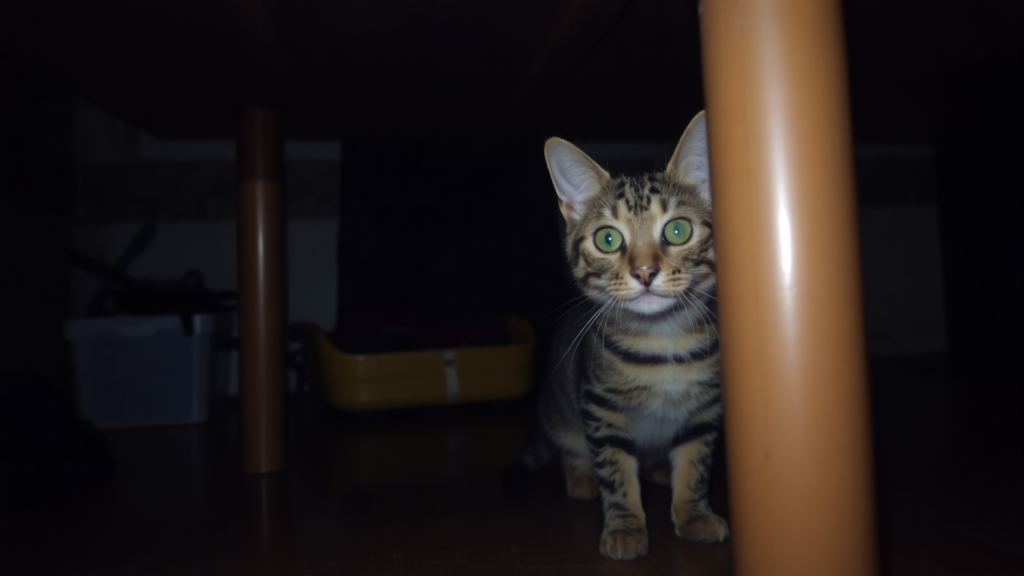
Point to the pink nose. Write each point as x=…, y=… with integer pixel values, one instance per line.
x=645, y=274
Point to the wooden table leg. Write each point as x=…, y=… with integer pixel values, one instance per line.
x=261, y=290
x=796, y=397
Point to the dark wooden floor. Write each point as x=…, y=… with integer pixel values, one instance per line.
x=418, y=493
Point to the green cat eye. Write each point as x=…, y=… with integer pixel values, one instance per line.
x=678, y=231
x=608, y=239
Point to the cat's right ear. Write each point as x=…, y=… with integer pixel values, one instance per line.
x=576, y=177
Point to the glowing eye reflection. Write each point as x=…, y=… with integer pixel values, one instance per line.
x=608, y=239
x=678, y=231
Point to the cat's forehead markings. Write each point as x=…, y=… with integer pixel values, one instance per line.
x=635, y=192
x=620, y=190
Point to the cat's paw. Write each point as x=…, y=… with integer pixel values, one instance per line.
x=703, y=527
x=624, y=544
x=582, y=487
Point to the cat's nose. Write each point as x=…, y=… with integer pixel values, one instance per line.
x=645, y=274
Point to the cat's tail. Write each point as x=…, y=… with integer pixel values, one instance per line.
x=516, y=476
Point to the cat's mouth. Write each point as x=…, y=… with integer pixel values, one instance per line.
x=649, y=302
x=648, y=295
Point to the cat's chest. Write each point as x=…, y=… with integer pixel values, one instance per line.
x=653, y=422
x=665, y=380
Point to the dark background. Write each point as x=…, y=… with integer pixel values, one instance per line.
x=442, y=107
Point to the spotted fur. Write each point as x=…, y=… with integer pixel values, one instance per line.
x=637, y=382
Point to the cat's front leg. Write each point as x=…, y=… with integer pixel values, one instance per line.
x=615, y=470
x=691, y=463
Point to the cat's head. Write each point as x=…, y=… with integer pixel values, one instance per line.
x=642, y=243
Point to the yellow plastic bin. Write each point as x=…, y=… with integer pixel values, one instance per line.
x=380, y=381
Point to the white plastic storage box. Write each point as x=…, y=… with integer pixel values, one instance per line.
x=144, y=370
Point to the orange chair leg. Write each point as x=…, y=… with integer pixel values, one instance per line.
x=261, y=290
x=796, y=398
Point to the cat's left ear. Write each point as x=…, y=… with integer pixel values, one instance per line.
x=689, y=164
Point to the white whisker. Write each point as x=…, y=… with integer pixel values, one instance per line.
x=697, y=305
x=708, y=294
x=564, y=304
x=579, y=336
x=575, y=306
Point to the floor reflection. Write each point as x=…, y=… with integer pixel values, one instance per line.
x=267, y=534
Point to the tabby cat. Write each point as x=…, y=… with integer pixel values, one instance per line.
x=636, y=388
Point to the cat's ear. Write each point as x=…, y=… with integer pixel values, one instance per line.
x=689, y=164
x=575, y=175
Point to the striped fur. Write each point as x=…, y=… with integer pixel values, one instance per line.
x=637, y=380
